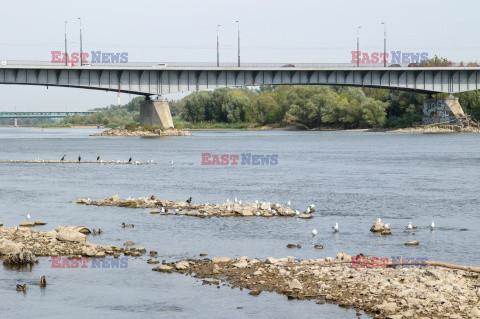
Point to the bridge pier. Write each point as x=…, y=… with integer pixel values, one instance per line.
x=15, y=123
x=446, y=110
x=156, y=113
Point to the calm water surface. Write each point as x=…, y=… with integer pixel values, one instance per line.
x=352, y=177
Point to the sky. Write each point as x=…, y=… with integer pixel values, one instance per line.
x=310, y=31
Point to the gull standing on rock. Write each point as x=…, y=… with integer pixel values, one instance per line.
x=297, y=212
x=387, y=226
x=308, y=210
x=314, y=232
x=288, y=203
x=335, y=228
x=410, y=225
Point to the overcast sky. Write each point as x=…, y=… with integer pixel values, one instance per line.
x=271, y=31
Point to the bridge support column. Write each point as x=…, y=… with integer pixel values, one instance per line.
x=15, y=123
x=446, y=110
x=156, y=113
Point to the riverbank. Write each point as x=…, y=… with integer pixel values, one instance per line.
x=430, y=129
x=227, y=209
x=142, y=132
x=433, y=291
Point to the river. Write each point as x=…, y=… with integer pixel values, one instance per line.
x=353, y=178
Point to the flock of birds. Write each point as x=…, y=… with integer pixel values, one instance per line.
x=385, y=227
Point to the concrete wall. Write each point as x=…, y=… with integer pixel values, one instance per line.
x=446, y=110
x=156, y=113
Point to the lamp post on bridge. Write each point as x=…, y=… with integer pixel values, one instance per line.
x=358, y=46
x=66, y=52
x=384, y=44
x=218, y=50
x=238, y=23
x=81, y=51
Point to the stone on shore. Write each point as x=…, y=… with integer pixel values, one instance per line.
x=377, y=227
x=39, y=223
x=115, y=198
x=1, y=224
x=155, y=211
x=68, y=233
x=220, y=260
x=27, y=224
x=9, y=247
x=163, y=268
x=412, y=243
x=182, y=265
x=294, y=284
x=305, y=216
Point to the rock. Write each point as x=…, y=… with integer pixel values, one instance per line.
x=163, y=268
x=39, y=223
x=100, y=254
x=155, y=211
x=343, y=256
x=305, y=216
x=271, y=260
x=386, y=232
x=388, y=307
x=27, y=224
x=9, y=247
x=475, y=312
x=83, y=201
x=241, y=264
x=1, y=224
x=220, y=259
x=82, y=229
x=152, y=261
x=182, y=265
x=412, y=243
x=115, y=198
x=254, y=292
x=377, y=227
x=89, y=251
x=68, y=234
x=294, y=284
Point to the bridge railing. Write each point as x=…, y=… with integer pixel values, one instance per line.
x=31, y=63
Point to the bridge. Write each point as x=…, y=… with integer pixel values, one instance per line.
x=153, y=78
x=38, y=115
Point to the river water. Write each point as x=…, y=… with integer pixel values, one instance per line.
x=353, y=178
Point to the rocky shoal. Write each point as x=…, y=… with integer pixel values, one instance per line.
x=62, y=241
x=146, y=133
x=227, y=209
x=433, y=292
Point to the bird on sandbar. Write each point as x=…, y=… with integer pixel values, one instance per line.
x=386, y=226
x=257, y=213
x=229, y=208
x=163, y=210
x=43, y=282
x=379, y=220
x=236, y=200
x=288, y=203
x=297, y=212
x=189, y=200
x=308, y=210
x=21, y=287
x=63, y=158
x=98, y=158
x=128, y=225
x=410, y=225
x=335, y=228
x=130, y=159
x=432, y=226
x=79, y=158
x=314, y=232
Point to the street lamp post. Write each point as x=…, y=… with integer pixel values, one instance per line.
x=66, y=52
x=384, y=44
x=358, y=47
x=81, y=51
x=238, y=22
x=218, y=50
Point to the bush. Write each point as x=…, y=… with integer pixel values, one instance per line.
x=131, y=127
